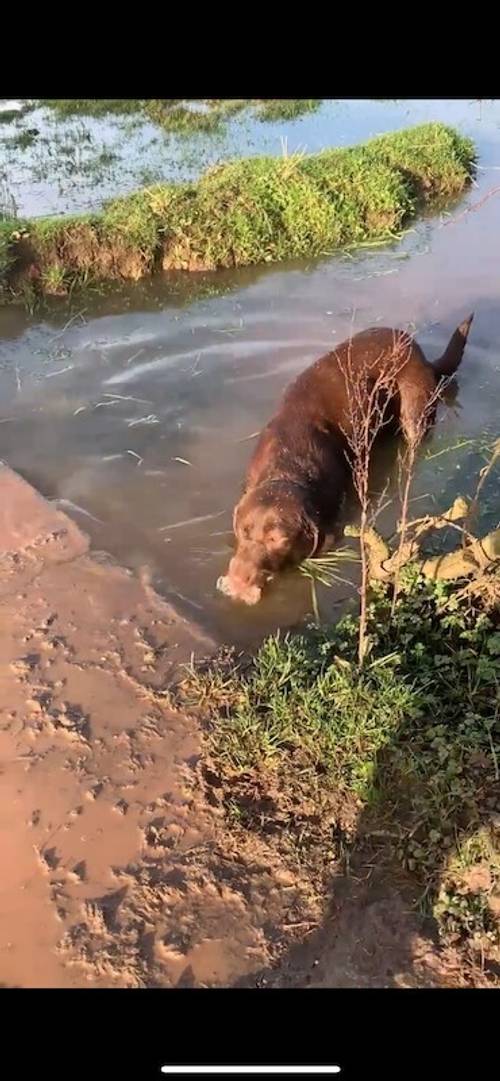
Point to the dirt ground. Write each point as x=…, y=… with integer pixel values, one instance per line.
x=118, y=868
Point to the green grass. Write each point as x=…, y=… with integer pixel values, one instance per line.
x=465, y=915
x=256, y=210
x=413, y=739
x=54, y=281
x=7, y=248
x=472, y=878
x=294, y=703
x=287, y=108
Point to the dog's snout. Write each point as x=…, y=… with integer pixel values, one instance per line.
x=238, y=591
x=245, y=577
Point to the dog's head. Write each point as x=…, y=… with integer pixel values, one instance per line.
x=273, y=529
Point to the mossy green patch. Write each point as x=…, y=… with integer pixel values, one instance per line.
x=287, y=108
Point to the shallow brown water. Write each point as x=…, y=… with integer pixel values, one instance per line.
x=141, y=411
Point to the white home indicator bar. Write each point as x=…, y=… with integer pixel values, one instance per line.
x=253, y=1071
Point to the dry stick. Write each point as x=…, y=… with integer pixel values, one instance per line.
x=483, y=476
x=368, y=393
x=407, y=471
x=475, y=206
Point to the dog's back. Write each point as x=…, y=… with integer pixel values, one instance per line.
x=323, y=391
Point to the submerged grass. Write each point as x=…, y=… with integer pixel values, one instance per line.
x=23, y=139
x=248, y=211
x=185, y=116
x=67, y=107
x=8, y=116
x=179, y=116
x=413, y=738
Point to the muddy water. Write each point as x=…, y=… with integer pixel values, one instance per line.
x=141, y=412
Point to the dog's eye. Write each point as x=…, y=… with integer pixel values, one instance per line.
x=277, y=540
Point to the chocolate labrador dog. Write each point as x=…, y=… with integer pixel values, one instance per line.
x=299, y=470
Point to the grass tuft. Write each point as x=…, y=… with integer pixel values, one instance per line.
x=325, y=570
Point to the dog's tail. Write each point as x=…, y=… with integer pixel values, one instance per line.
x=447, y=365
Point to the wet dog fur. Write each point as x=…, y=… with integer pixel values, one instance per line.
x=299, y=470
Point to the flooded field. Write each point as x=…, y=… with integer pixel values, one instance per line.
x=137, y=409
x=58, y=164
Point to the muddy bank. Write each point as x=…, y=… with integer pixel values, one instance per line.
x=118, y=870
x=86, y=746
x=240, y=213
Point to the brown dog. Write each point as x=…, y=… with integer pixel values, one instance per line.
x=299, y=470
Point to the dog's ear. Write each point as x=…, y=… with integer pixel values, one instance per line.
x=316, y=541
x=316, y=534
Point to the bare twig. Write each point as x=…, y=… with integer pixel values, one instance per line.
x=474, y=206
x=134, y=455
x=369, y=389
x=483, y=476
x=449, y=450
x=60, y=371
x=407, y=462
x=78, y=315
x=127, y=398
x=191, y=521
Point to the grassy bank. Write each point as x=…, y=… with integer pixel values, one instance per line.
x=394, y=766
x=243, y=212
